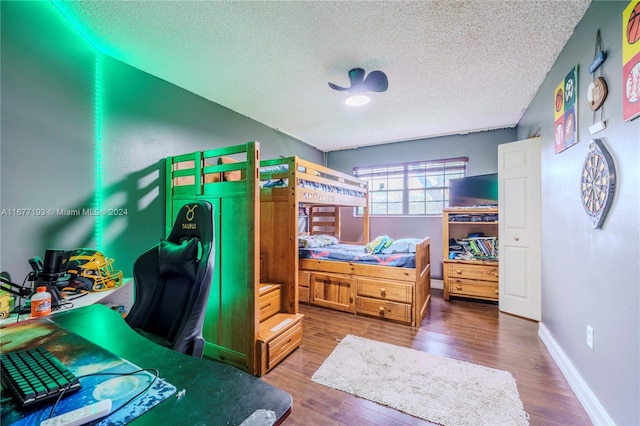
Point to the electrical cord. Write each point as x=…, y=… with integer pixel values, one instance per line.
x=17, y=306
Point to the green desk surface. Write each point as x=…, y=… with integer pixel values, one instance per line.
x=214, y=393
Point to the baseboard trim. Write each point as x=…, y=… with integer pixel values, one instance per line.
x=439, y=284
x=592, y=406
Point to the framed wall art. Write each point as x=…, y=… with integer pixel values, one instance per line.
x=631, y=61
x=566, y=111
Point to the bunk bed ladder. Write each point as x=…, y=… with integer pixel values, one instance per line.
x=325, y=220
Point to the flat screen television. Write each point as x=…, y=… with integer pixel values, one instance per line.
x=480, y=190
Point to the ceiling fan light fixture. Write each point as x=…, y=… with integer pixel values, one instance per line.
x=357, y=100
x=376, y=81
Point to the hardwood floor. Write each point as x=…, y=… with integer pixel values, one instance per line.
x=465, y=330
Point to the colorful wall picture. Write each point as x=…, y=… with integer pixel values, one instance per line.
x=631, y=61
x=566, y=111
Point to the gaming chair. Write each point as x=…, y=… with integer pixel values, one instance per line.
x=172, y=281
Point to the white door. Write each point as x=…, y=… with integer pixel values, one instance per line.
x=519, y=201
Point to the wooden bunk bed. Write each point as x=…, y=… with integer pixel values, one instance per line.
x=246, y=323
x=287, y=184
x=252, y=319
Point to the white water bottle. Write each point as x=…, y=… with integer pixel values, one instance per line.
x=41, y=303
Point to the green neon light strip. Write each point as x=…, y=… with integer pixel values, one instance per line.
x=58, y=6
x=97, y=118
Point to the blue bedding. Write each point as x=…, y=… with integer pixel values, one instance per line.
x=357, y=254
x=280, y=182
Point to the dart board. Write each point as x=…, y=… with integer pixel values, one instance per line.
x=598, y=182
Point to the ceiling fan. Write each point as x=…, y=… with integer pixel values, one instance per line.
x=376, y=81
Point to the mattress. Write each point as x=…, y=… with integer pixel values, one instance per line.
x=357, y=254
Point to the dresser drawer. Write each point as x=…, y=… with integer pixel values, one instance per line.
x=283, y=345
x=303, y=294
x=269, y=300
x=385, y=291
x=384, y=309
x=472, y=288
x=482, y=272
x=303, y=279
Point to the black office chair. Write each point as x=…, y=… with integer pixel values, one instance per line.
x=172, y=281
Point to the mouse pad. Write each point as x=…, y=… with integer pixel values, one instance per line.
x=83, y=358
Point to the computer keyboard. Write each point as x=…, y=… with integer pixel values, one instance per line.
x=35, y=375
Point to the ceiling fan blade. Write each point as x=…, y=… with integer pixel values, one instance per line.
x=376, y=81
x=334, y=87
x=356, y=76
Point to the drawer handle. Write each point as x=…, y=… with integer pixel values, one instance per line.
x=516, y=238
x=496, y=291
x=381, y=309
x=383, y=291
x=458, y=271
x=459, y=287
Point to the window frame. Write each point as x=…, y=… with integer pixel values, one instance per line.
x=387, y=178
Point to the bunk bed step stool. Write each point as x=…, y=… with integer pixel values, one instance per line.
x=279, y=335
x=270, y=296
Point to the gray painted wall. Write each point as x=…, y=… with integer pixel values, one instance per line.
x=49, y=131
x=47, y=148
x=589, y=276
x=481, y=149
x=147, y=119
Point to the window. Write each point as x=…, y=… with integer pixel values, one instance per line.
x=408, y=189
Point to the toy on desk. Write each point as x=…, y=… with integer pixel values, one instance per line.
x=89, y=270
x=5, y=304
x=66, y=274
x=7, y=287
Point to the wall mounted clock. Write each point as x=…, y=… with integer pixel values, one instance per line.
x=598, y=182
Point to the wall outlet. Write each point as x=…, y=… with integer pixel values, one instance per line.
x=590, y=336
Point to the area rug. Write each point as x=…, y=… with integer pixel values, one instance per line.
x=433, y=388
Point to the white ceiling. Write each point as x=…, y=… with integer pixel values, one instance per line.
x=454, y=67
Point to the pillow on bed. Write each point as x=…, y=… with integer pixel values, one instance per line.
x=274, y=169
x=402, y=245
x=211, y=177
x=378, y=244
x=313, y=241
x=230, y=175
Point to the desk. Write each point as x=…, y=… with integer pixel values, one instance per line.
x=122, y=295
x=215, y=393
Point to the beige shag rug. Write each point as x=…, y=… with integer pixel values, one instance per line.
x=436, y=389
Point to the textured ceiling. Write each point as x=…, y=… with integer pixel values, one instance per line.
x=454, y=67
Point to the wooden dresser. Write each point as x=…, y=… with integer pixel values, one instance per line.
x=478, y=280
x=476, y=276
